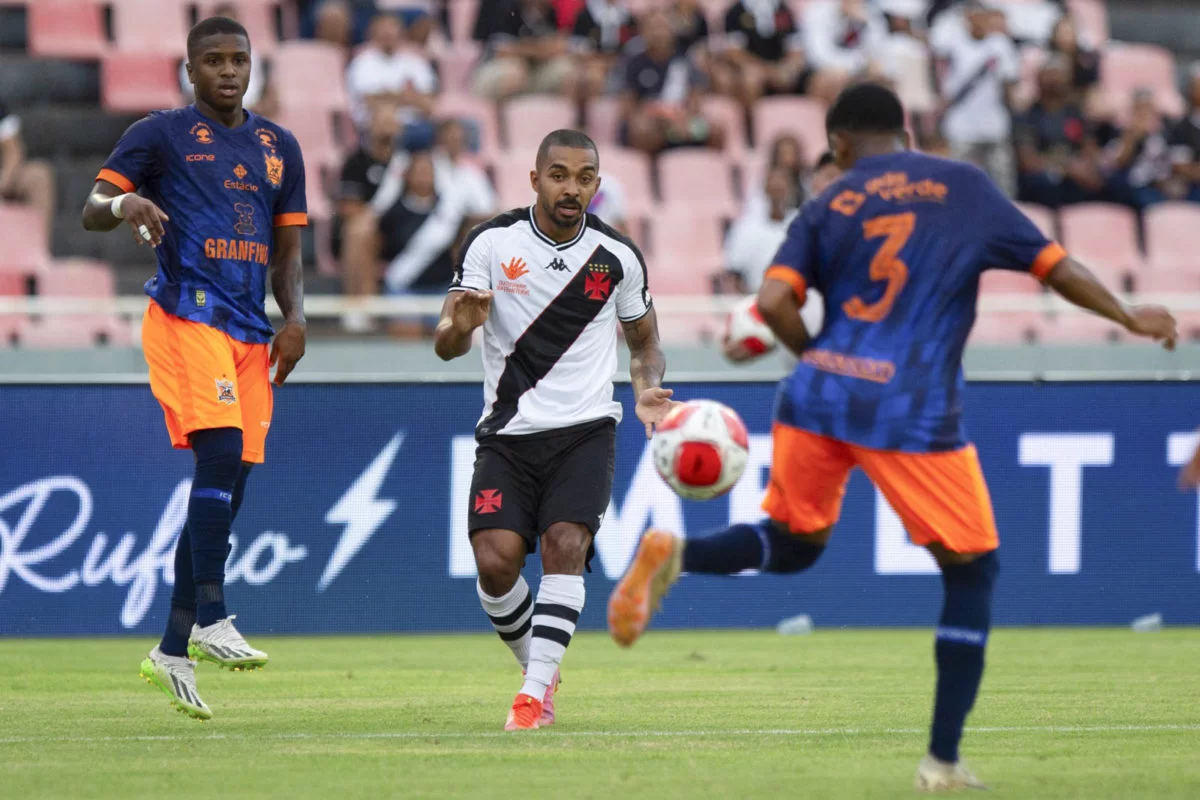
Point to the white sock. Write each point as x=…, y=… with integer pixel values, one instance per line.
x=510, y=617
x=559, y=601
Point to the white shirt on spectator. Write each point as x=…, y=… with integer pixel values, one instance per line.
x=375, y=72
x=609, y=204
x=977, y=73
x=752, y=242
x=462, y=186
x=831, y=41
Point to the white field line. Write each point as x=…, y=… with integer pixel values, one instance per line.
x=772, y=732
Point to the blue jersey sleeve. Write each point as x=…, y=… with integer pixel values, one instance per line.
x=291, y=205
x=1012, y=241
x=135, y=159
x=794, y=263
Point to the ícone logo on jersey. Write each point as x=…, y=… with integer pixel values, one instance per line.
x=488, y=501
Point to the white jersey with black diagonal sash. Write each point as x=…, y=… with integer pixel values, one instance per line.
x=550, y=341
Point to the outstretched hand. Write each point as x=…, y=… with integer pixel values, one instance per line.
x=1153, y=322
x=472, y=310
x=287, y=350
x=653, y=406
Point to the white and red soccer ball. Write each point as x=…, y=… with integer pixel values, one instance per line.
x=700, y=449
x=745, y=327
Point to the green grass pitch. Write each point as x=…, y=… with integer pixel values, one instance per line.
x=839, y=714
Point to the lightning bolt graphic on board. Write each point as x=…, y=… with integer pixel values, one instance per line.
x=361, y=511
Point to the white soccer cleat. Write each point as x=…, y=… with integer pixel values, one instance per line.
x=176, y=677
x=934, y=775
x=221, y=644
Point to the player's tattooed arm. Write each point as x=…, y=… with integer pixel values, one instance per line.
x=108, y=206
x=647, y=365
x=780, y=309
x=1076, y=284
x=287, y=284
x=462, y=312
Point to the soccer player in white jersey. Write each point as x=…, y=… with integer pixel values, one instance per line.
x=548, y=284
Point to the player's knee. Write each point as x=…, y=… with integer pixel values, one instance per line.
x=218, y=453
x=498, y=566
x=565, y=548
x=978, y=572
x=791, y=552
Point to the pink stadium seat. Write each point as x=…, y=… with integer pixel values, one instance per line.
x=483, y=113
x=23, y=252
x=11, y=285
x=1091, y=20
x=682, y=239
x=1159, y=282
x=512, y=177
x=700, y=180
x=455, y=64
x=75, y=278
x=1189, y=326
x=258, y=16
x=136, y=82
x=314, y=131
x=727, y=112
x=462, y=19
x=147, y=27
x=529, y=118
x=1002, y=281
x=800, y=116
x=604, y=120
x=1104, y=237
x=1127, y=67
x=688, y=329
x=66, y=29
x=632, y=169
x=1171, y=236
x=1042, y=217
x=672, y=275
x=1006, y=329
x=1082, y=328
x=66, y=331
x=309, y=76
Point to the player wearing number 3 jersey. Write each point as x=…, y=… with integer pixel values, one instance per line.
x=896, y=248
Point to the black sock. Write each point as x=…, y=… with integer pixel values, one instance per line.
x=763, y=545
x=183, y=600
x=210, y=602
x=179, y=629
x=210, y=513
x=961, y=638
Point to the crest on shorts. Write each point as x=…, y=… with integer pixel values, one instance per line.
x=225, y=392
x=274, y=168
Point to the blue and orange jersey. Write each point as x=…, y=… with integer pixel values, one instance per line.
x=896, y=247
x=225, y=191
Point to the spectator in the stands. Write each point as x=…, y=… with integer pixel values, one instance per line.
x=524, y=51
x=904, y=55
x=390, y=73
x=1084, y=62
x=660, y=105
x=1058, y=158
x=843, y=40
x=981, y=69
x=763, y=52
x=609, y=203
x=754, y=239
x=333, y=22
x=1141, y=157
x=363, y=172
x=22, y=180
x=690, y=26
x=1185, y=140
x=261, y=97
x=456, y=174
x=785, y=154
x=602, y=30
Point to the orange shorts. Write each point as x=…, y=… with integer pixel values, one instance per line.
x=940, y=497
x=204, y=379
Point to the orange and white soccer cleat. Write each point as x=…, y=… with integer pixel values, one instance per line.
x=524, y=714
x=655, y=568
x=547, y=717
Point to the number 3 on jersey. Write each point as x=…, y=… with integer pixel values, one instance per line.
x=885, y=266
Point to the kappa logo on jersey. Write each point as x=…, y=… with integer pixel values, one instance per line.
x=274, y=168
x=597, y=285
x=245, y=223
x=225, y=392
x=202, y=132
x=488, y=501
x=515, y=269
x=558, y=265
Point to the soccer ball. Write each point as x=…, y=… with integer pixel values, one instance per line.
x=700, y=449
x=745, y=326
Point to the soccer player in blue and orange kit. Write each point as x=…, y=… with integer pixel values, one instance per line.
x=219, y=193
x=895, y=247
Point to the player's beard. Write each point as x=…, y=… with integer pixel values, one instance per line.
x=563, y=221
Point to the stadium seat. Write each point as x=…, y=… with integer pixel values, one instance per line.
x=75, y=278
x=1024, y=327
x=800, y=116
x=136, y=83
x=604, y=121
x=480, y=111
x=1003, y=281
x=258, y=16
x=455, y=64
x=1104, y=237
x=67, y=331
x=1127, y=67
x=25, y=251
x=1042, y=217
x=529, y=118
x=681, y=239
x=1158, y=282
x=314, y=131
x=309, y=76
x=1082, y=328
x=701, y=180
x=462, y=15
x=687, y=329
x=687, y=277
x=1171, y=236
x=11, y=285
x=512, y=177
x=151, y=27
x=1091, y=20
x=727, y=112
x=632, y=169
x=66, y=29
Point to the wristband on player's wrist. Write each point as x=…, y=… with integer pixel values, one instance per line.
x=115, y=205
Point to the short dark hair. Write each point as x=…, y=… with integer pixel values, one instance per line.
x=825, y=160
x=866, y=108
x=565, y=137
x=214, y=26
